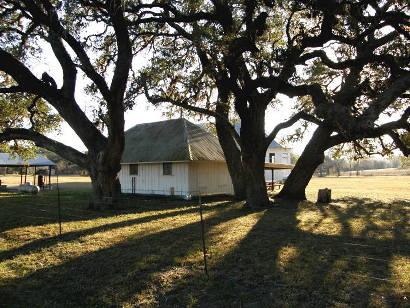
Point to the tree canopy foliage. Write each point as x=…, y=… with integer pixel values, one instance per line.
x=346, y=62
x=93, y=46
x=19, y=111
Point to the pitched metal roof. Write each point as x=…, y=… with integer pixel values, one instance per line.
x=7, y=160
x=273, y=144
x=167, y=141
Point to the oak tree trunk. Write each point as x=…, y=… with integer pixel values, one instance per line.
x=106, y=188
x=313, y=155
x=254, y=165
x=253, y=158
x=232, y=154
x=104, y=168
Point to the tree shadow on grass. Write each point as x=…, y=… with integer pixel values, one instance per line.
x=373, y=214
x=42, y=243
x=21, y=210
x=286, y=257
x=107, y=276
x=278, y=264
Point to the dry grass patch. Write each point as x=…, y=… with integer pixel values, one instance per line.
x=375, y=187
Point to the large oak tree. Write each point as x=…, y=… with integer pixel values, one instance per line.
x=226, y=46
x=356, y=83
x=90, y=39
x=217, y=56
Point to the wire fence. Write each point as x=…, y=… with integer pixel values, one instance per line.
x=172, y=192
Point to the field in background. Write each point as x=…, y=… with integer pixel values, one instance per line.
x=353, y=252
x=67, y=182
x=378, y=172
x=375, y=187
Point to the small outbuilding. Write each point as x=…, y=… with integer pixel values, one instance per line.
x=9, y=160
x=174, y=157
x=280, y=156
x=276, y=155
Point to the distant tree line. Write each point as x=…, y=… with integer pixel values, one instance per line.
x=336, y=166
x=64, y=166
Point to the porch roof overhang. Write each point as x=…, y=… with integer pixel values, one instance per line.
x=272, y=166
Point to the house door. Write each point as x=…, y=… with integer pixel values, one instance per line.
x=133, y=185
x=272, y=157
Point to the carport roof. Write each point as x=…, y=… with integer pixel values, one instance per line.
x=7, y=160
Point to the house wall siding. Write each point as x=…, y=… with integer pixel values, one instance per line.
x=150, y=179
x=279, y=159
x=210, y=178
x=193, y=178
x=187, y=179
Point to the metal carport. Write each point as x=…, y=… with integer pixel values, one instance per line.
x=9, y=160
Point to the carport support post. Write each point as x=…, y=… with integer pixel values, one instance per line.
x=49, y=177
x=25, y=176
x=273, y=187
x=35, y=170
x=59, y=205
x=21, y=175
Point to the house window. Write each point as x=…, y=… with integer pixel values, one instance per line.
x=134, y=169
x=285, y=156
x=271, y=157
x=167, y=168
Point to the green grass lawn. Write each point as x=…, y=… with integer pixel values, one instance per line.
x=353, y=252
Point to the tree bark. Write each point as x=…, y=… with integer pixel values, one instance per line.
x=97, y=192
x=313, y=155
x=254, y=165
x=253, y=148
x=104, y=167
x=232, y=154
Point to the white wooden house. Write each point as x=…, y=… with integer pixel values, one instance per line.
x=277, y=154
x=174, y=157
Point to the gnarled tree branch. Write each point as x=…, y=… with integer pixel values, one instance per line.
x=299, y=116
x=42, y=141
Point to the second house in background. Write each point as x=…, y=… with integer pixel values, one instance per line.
x=275, y=154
